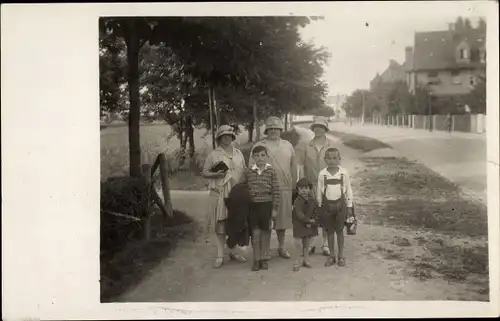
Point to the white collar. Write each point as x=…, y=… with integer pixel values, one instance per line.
x=325, y=171
x=256, y=168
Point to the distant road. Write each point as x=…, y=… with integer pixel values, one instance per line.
x=460, y=157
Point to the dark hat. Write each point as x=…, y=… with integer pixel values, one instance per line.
x=304, y=182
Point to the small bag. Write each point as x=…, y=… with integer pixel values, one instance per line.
x=219, y=166
x=351, y=222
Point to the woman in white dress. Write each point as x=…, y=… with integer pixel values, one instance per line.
x=220, y=184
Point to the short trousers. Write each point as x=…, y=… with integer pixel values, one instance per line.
x=260, y=215
x=332, y=215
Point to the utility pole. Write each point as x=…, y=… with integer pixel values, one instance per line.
x=430, y=110
x=363, y=105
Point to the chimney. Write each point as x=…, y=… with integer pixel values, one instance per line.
x=408, y=58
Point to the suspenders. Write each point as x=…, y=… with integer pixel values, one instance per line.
x=342, y=196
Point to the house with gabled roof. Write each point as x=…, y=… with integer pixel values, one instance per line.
x=447, y=62
x=394, y=73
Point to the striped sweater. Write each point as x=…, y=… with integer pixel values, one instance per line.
x=263, y=186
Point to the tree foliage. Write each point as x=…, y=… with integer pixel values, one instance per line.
x=476, y=99
x=245, y=60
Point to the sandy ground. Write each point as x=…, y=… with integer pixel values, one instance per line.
x=188, y=275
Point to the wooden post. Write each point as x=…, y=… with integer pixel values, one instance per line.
x=145, y=213
x=165, y=184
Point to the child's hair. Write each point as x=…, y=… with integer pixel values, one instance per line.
x=332, y=150
x=259, y=149
x=304, y=182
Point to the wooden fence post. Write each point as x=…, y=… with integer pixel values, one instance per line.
x=165, y=184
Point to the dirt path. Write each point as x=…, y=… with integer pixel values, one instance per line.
x=188, y=274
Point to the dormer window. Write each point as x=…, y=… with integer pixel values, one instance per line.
x=464, y=53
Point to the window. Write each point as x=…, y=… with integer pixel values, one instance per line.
x=455, y=77
x=464, y=54
x=432, y=74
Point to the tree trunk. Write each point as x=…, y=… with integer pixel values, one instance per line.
x=190, y=136
x=210, y=107
x=216, y=109
x=250, y=131
x=182, y=133
x=133, y=47
x=256, y=120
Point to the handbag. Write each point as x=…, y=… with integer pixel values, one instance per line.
x=351, y=222
x=219, y=166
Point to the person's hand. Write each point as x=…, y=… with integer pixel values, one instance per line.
x=220, y=174
x=274, y=214
x=308, y=225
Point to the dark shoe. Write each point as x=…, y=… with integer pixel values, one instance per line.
x=341, y=261
x=256, y=266
x=264, y=265
x=284, y=253
x=330, y=261
x=306, y=264
x=312, y=250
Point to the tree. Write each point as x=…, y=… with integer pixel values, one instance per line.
x=353, y=105
x=459, y=24
x=135, y=32
x=467, y=24
x=260, y=58
x=112, y=63
x=482, y=24
x=476, y=99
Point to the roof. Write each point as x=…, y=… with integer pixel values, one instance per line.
x=436, y=49
x=395, y=72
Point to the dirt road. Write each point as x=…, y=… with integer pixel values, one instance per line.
x=188, y=275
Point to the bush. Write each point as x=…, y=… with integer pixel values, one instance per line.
x=120, y=195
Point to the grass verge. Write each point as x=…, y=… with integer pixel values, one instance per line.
x=364, y=144
x=404, y=194
x=401, y=192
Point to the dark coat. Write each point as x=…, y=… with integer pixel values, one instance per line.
x=238, y=204
x=304, y=210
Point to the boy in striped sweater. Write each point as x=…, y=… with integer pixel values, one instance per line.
x=264, y=191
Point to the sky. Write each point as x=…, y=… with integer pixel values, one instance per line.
x=363, y=37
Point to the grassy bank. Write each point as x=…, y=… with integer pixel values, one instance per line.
x=361, y=143
x=450, y=230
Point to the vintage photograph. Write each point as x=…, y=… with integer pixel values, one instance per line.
x=293, y=158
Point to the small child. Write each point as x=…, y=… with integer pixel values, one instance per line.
x=265, y=193
x=304, y=222
x=334, y=194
